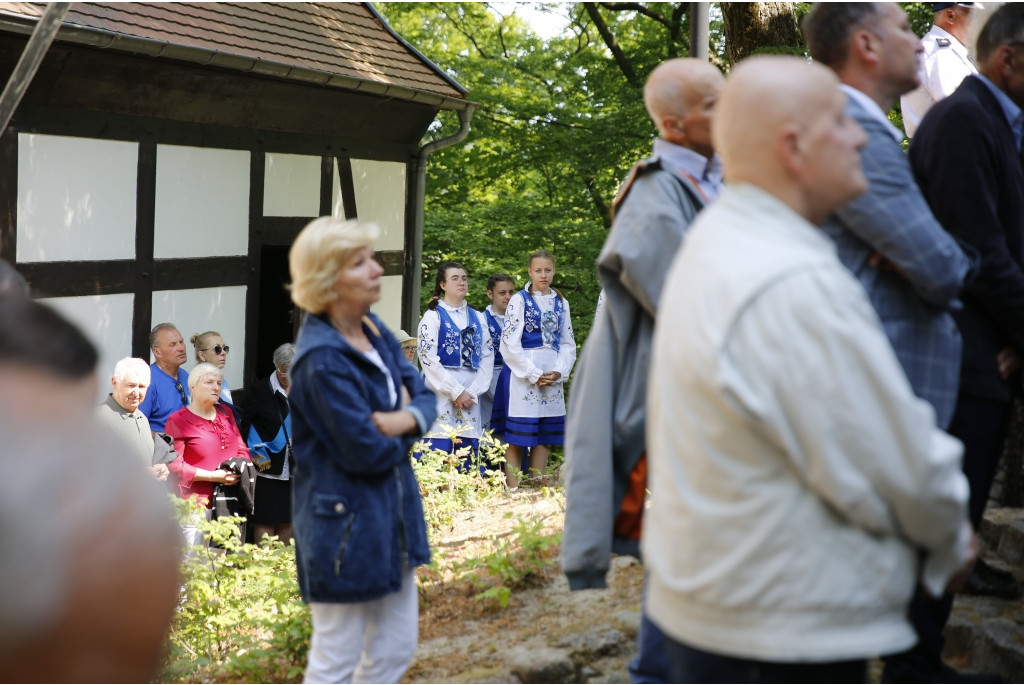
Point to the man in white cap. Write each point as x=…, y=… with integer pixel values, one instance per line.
x=945, y=62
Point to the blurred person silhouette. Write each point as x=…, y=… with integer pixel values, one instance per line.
x=783, y=435
x=88, y=543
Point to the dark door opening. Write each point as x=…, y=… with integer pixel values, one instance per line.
x=277, y=318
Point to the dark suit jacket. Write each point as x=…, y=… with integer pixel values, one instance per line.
x=968, y=168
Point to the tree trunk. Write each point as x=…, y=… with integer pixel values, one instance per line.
x=753, y=26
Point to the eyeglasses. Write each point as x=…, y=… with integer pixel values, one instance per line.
x=181, y=393
x=217, y=349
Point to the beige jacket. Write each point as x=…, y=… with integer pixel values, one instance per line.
x=794, y=474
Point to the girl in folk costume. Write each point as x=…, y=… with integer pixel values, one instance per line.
x=457, y=357
x=539, y=350
x=500, y=288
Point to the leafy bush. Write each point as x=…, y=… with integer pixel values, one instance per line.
x=513, y=563
x=454, y=482
x=240, y=618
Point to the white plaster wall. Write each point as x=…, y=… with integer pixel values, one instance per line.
x=389, y=306
x=76, y=198
x=107, y=322
x=202, y=202
x=291, y=185
x=380, y=197
x=207, y=309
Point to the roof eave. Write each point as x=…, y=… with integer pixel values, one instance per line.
x=99, y=38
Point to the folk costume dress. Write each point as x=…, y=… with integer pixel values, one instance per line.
x=457, y=355
x=495, y=324
x=537, y=338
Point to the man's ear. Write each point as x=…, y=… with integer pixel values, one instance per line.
x=790, y=152
x=863, y=46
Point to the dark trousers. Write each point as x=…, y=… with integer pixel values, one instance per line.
x=689, y=665
x=981, y=425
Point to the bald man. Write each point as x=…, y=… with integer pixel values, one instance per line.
x=798, y=479
x=604, y=444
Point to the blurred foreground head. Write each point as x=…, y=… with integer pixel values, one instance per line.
x=88, y=559
x=781, y=125
x=47, y=365
x=88, y=543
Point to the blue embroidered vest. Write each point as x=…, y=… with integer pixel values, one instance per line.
x=537, y=327
x=459, y=348
x=495, y=328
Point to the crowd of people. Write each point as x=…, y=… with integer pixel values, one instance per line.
x=832, y=381
x=799, y=442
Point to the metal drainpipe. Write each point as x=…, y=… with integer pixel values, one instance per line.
x=414, y=265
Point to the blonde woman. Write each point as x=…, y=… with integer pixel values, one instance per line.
x=210, y=348
x=357, y=517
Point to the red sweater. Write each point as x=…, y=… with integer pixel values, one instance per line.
x=203, y=444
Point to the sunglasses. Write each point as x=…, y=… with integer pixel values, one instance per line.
x=217, y=349
x=181, y=393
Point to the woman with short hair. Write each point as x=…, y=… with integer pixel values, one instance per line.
x=357, y=515
x=205, y=435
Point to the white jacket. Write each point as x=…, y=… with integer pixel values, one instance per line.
x=944, y=65
x=794, y=474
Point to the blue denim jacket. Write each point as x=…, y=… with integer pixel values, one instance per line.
x=356, y=511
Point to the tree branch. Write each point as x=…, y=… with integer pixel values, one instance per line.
x=637, y=7
x=620, y=57
x=599, y=203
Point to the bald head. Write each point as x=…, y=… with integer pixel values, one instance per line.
x=781, y=125
x=680, y=97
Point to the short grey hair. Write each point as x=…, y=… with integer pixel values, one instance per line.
x=201, y=371
x=153, y=334
x=132, y=367
x=283, y=356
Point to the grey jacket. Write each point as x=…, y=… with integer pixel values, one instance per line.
x=606, y=419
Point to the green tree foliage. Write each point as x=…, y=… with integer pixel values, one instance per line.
x=560, y=123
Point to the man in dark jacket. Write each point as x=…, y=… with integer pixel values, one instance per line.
x=975, y=187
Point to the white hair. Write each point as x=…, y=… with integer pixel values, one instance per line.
x=132, y=367
x=283, y=356
x=201, y=371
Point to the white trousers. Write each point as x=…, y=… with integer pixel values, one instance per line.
x=365, y=642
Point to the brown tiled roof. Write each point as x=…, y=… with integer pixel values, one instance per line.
x=335, y=43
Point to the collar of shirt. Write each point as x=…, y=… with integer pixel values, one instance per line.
x=872, y=108
x=121, y=411
x=779, y=217
x=1012, y=112
x=275, y=384
x=708, y=173
x=496, y=315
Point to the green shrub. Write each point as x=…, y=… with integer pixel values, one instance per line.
x=240, y=617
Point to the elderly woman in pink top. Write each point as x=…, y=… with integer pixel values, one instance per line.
x=205, y=435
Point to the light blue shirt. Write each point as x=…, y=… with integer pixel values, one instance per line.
x=707, y=173
x=1013, y=113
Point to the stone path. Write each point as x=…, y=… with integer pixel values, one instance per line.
x=985, y=634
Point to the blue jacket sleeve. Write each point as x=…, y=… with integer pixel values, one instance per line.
x=336, y=400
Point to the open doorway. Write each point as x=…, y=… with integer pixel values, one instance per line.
x=277, y=320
